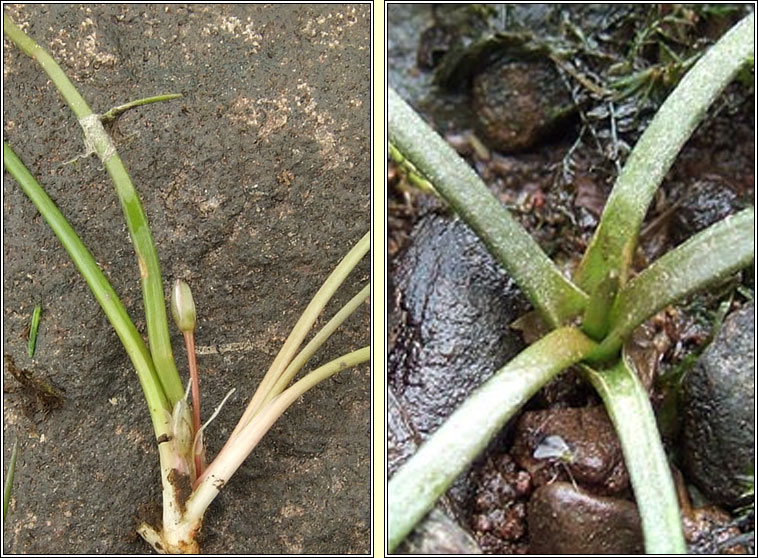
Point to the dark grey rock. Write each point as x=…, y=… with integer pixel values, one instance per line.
x=256, y=183
x=452, y=306
x=568, y=521
x=455, y=306
x=704, y=203
x=719, y=412
x=519, y=103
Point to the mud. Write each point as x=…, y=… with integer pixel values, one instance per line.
x=256, y=183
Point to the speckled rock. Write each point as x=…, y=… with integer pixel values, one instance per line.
x=255, y=183
x=572, y=522
x=719, y=411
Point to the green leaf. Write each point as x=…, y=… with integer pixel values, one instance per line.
x=8, y=488
x=98, y=284
x=33, y=329
x=615, y=240
x=557, y=298
x=628, y=406
x=419, y=483
x=707, y=257
x=98, y=140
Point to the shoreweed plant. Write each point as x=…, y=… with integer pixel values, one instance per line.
x=591, y=314
x=189, y=485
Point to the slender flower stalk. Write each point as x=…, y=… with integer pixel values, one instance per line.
x=185, y=317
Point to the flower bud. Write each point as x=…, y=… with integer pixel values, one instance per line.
x=183, y=307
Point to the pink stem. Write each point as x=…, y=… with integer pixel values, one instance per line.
x=189, y=340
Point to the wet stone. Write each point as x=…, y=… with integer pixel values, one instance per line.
x=719, y=409
x=455, y=306
x=705, y=202
x=438, y=534
x=452, y=308
x=571, y=444
x=570, y=521
x=519, y=103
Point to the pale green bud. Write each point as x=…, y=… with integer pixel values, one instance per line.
x=183, y=307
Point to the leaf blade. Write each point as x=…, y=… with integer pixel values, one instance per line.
x=554, y=295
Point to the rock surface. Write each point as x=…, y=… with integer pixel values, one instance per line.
x=593, y=457
x=518, y=103
x=451, y=309
x=256, y=183
x=455, y=305
x=438, y=534
x=719, y=412
x=704, y=203
x=573, y=522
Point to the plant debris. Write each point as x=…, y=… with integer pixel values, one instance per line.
x=40, y=394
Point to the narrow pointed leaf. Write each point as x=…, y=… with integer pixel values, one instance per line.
x=555, y=296
x=707, y=257
x=419, y=483
x=97, y=139
x=615, y=240
x=98, y=284
x=628, y=406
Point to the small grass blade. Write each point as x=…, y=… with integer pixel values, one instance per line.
x=115, y=112
x=8, y=488
x=33, y=328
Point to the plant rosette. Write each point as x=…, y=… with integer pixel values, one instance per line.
x=189, y=484
x=591, y=314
